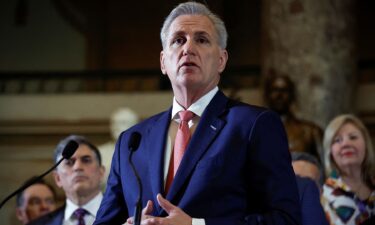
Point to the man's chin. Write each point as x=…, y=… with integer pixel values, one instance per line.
x=80, y=186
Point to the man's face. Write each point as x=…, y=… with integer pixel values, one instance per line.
x=305, y=168
x=192, y=58
x=81, y=175
x=38, y=200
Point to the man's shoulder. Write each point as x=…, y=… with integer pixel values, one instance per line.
x=306, y=186
x=249, y=110
x=304, y=181
x=52, y=218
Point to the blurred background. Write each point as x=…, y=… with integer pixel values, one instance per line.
x=66, y=65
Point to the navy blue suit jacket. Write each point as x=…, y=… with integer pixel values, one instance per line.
x=311, y=208
x=236, y=169
x=53, y=218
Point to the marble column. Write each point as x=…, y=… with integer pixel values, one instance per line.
x=313, y=41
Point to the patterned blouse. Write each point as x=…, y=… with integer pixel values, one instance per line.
x=342, y=206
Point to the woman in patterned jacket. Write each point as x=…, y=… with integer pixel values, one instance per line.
x=349, y=197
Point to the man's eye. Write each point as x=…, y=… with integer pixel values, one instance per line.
x=69, y=162
x=50, y=201
x=35, y=201
x=178, y=41
x=86, y=160
x=202, y=40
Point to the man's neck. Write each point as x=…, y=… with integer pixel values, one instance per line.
x=186, y=97
x=82, y=199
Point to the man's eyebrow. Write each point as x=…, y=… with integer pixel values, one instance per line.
x=177, y=33
x=202, y=33
x=34, y=197
x=197, y=33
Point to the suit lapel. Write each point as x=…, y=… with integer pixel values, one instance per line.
x=157, y=139
x=208, y=128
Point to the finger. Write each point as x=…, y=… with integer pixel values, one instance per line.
x=147, y=210
x=129, y=220
x=165, y=204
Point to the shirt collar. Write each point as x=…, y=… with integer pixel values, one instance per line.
x=92, y=206
x=197, y=107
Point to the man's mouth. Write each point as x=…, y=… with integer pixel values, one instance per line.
x=188, y=64
x=79, y=178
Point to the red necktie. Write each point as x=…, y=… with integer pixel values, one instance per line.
x=180, y=144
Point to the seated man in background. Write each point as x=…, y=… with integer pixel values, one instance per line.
x=309, y=176
x=307, y=165
x=311, y=208
x=80, y=177
x=35, y=201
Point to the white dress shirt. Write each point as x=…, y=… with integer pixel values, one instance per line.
x=197, y=108
x=91, y=207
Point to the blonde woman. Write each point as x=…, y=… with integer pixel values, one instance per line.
x=350, y=197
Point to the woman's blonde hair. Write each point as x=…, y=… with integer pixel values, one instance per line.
x=368, y=165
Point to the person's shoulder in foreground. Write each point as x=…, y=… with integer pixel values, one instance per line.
x=311, y=208
x=52, y=218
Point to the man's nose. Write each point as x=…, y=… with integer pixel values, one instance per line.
x=189, y=47
x=44, y=205
x=77, y=164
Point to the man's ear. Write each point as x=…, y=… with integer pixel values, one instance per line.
x=56, y=176
x=162, y=66
x=223, y=60
x=102, y=172
x=20, y=214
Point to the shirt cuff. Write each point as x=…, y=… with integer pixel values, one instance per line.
x=196, y=221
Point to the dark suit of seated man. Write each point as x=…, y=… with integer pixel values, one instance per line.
x=311, y=208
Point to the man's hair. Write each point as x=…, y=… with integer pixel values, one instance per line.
x=195, y=8
x=20, y=198
x=80, y=140
x=304, y=156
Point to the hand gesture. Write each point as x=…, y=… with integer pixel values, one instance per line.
x=175, y=215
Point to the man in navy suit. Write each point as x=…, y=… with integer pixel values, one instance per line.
x=236, y=168
x=311, y=208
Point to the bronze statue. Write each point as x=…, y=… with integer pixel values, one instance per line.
x=303, y=136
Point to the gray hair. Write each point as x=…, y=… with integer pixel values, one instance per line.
x=195, y=8
x=80, y=140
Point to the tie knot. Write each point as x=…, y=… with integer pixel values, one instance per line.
x=80, y=213
x=186, y=115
